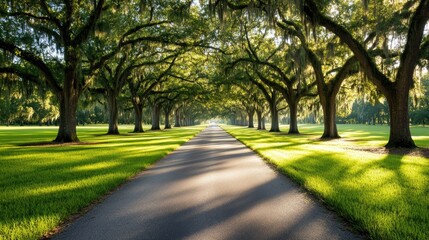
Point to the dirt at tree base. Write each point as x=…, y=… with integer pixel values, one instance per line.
x=418, y=152
x=348, y=145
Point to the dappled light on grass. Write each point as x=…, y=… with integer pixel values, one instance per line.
x=43, y=185
x=386, y=195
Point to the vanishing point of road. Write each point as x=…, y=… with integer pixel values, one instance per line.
x=212, y=187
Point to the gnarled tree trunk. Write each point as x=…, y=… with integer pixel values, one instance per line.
x=156, y=113
x=69, y=97
x=250, y=114
x=138, y=116
x=263, y=123
x=112, y=104
x=400, y=134
x=68, y=122
x=167, y=119
x=329, y=117
x=293, y=111
x=275, y=127
x=259, y=116
x=177, y=118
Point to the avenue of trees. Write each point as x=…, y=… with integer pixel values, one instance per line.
x=181, y=61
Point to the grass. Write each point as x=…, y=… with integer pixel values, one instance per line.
x=41, y=186
x=383, y=195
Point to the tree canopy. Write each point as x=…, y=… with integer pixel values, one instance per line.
x=69, y=62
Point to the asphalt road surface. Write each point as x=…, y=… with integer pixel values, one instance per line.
x=212, y=187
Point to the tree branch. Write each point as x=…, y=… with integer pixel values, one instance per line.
x=47, y=10
x=409, y=57
x=34, y=60
x=28, y=15
x=86, y=29
x=370, y=68
x=20, y=73
x=348, y=69
x=138, y=28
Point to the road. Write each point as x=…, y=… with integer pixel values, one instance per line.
x=212, y=187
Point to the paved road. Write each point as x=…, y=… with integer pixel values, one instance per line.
x=212, y=187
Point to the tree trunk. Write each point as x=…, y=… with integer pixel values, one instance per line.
x=177, y=118
x=274, y=113
x=293, y=123
x=259, y=116
x=167, y=119
x=155, y=117
x=275, y=121
x=112, y=104
x=400, y=134
x=251, y=113
x=68, y=122
x=69, y=97
x=263, y=123
x=138, y=116
x=274, y=117
x=329, y=117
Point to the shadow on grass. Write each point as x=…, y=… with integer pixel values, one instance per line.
x=417, y=152
x=42, y=184
x=54, y=144
x=385, y=194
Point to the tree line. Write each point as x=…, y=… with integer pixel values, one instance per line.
x=294, y=51
x=217, y=58
x=66, y=54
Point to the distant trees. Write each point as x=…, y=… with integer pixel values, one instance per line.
x=419, y=113
x=366, y=112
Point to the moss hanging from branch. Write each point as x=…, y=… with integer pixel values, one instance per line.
x=253, y=8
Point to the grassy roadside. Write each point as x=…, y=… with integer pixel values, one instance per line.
x=386, y=195
x=43, y=185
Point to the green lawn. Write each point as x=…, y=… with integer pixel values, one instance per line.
x=41, y=186
x=385, y=195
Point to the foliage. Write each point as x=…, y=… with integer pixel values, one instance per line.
x=20, y=105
